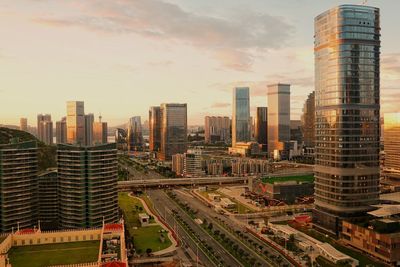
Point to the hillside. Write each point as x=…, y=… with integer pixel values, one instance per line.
x=46, y=154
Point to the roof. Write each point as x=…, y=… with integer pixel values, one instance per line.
x=26, y=231
x=113, y=227
x=333, y=252
x=114, y=264
x=385, y=211
x=395, y=197
x=143, y=215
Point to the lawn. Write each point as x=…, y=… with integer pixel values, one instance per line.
x=302, y=178
x=143, y=237
x=54, y=254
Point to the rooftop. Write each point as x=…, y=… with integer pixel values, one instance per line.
x=299, y=179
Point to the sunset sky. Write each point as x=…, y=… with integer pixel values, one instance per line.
x=123, y=56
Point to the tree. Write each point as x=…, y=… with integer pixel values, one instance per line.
x=210, y=226
x=216, y=232
x=148, y=251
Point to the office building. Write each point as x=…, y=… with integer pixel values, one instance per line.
x=48, y=199
x=247, y=149
x=76, y=122
x=45, y=128
x=23, y=124
x=154, y=129
x=89, y=120
x=261, y=126
x=120, y=139
x=241, y=124
x=61, y=131
x=296, y=132
x=347, y=52
x=177, y=164
x=87, y=185
x=173, y=130
x=100, y=132
x=135, y=136
x=278, y=118
x=188, y=164
x=217, y=129
x=18, y=185
x=308, y=121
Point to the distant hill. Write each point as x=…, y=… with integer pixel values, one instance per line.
x=46, y=154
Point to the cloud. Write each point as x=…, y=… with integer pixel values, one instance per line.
x=233, y=41
x=220, y=105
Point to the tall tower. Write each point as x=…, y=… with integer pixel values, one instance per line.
x=76, y=122
x=241, y=124
x=261, y=123
x=100, y=132
x=278, y=117
x=89, y=120
x=61, y=131
x=45, y=128
x=23, y=124
x=135, y=135
x=347, y=55
x=308, y=121
x=154, y=129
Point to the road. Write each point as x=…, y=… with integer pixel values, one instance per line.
x=164, y=206
x=215, y=218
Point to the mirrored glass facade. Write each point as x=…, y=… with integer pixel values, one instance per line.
x=347, y=52
x=241, y=125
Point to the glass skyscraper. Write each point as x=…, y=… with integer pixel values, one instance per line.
x=347, y=52
x=241, y=115
x=135, y=136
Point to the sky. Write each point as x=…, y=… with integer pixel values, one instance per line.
x=123, y=56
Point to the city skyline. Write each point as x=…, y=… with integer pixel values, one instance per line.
x=111, y=58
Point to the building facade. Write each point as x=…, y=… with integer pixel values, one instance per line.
x=87, y=189
x=100, y=132
x=241, y=124
x=308, y=121
x=392, y=143
x=347, y=89
x=18, y=185
x=23, y=124
x=261, y=127
x=89, y=120
x=155, y=129
x=48, y=200
x=217, y=129
x=173, y=130
x=134, y=134
x=76, y=122
x=45, y=128
x=61, y=131
x=278, y=117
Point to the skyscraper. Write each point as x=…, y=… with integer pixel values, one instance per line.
x=217, y=129
x=134, y=134
x=173, y=130
x=61, y=131
x=241, y=125
x=392, y=145
x=18, y=185
x=87, y=185
x=278, y=117
x=261, y=126
x=347, y=52
x=75, y=122
x=89, y=120
x=154, y=129
x=23, y=124
x=308, y=121
x=100, y=132
x=45, y=128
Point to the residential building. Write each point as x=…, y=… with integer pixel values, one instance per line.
x=100, y=132
x=308, y=121
x=192, y=164
x=89, y=120
x=76, y=122
x=243, y=167
x=155, y=129
x=48, y=199
x=23, y=124
x=241, y=124
x=134, y=134
x=347, y=89
x=217, y=129
x=18, y=185
x=245, y=149
x=278, y=117
x=45, y=128
x=61, y=131
x=87, y=179
x=173, y=130
x=261, y=127
x=178, y=163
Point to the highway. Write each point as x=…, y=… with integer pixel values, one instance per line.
x=164, y=206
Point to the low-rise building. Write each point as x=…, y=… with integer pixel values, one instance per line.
x=245, y=149
x=144, y=219
x=227, y=203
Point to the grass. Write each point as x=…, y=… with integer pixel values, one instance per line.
x=54, y=254
x=302, y=178
x=143, y=237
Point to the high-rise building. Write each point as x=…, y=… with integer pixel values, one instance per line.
x=61, y=131
x=135, y=135
x=295, y=131
x=261, y=126
x=217, y=129
x=18, y=185
x=100, y=132
x=177, y=164
x=241, y=124
x=155, y=129
x=48, y=199
x=392, y=144
x=278, y=118
x=173, y=130
x=76, y=122
x=347, y=88
x=89, y=120
x=87, y=185
x=308, y=121
x=45, y=128
x=192, y=164
x=23, y=124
